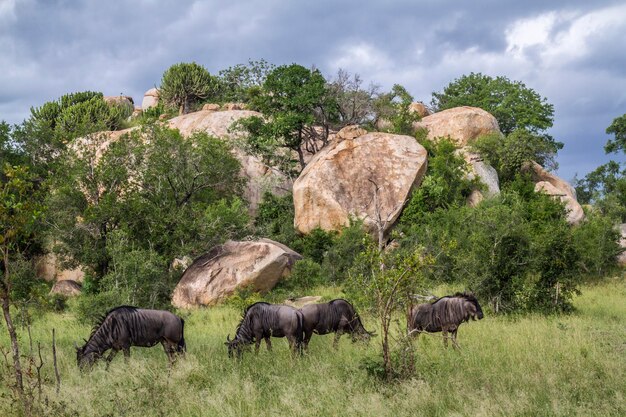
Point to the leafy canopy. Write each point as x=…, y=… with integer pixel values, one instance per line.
x=184, y=84
x=294, y=101
x=514, y=105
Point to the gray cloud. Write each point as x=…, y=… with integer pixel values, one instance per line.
x=49, y=48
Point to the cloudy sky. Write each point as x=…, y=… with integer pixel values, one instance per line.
x=571, y=52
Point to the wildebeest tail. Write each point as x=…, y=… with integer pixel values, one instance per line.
x=300, y=330
x=182, y=347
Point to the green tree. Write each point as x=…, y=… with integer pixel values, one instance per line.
x=617, y=128
x=514, y=105
x=605, y=186
x=46, y=133
x=20, y=208
x=298, y=110
x=154, y=203
x=241, y=83
x=184, y=84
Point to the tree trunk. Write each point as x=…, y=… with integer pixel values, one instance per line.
x=17, y=366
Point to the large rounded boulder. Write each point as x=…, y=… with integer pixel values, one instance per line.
x=150, y=99
x=461, y=124
x=67, y=288
x=257, y=265
x=550, y=184
x=368, y=177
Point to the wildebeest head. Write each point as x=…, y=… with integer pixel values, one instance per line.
x=235, y=346
x=85, y=359
x=358, y=332
x=472, y=307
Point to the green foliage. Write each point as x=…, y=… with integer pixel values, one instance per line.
x=606, y=185
x=445, y=185
x=305, y=275
x=165, y=206
x=184, y=84
x=393, y=107
x=509, y=153
x=89, y=308
x=516, y=252
x=274, y=218
x=139, y=276
x=514, y=105
x=340, y=257
x=617, y=128
x=314, y=245
x=45, y=134
x=294, y=100
x=241, y=83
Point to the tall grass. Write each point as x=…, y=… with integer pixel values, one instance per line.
x=509, y=365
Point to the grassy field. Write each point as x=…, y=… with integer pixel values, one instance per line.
x=516, y=366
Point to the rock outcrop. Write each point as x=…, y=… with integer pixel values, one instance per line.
x=420, y=109
x=461, y=124
x=49, y=268
x=485, y=173
x=211, y=107
x=67, y=288
x=150, y=99
x=260, y=176
x=340, y=181
x=303, y=301
x=258, y=265
x=552, y=185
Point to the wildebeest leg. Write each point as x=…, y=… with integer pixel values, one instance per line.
x=110, y=357
x=306, y=340
x=454, y=342
x=444, y=332
x=257, y=344
x=338, y=334
x=169, y=348
x=268, y=343
x=293, y=344
x=126, y=352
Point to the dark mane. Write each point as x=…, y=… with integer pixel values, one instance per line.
x=245, y=312
x=100, y=320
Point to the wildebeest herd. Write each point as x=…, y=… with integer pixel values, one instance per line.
x=125, y=326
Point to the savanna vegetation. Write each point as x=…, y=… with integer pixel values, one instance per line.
x=552, y=339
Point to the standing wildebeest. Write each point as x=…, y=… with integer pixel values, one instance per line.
x=445, y=315
x=125, y=326
x=336, y=316
x=262, y=321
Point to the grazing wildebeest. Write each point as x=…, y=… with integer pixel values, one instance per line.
x=262, y=321
x=336, y=316
x=126, y=326
x=445, y=315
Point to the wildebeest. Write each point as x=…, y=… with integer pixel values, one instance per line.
x=445, y=315
x=126, y=326
x=336, y=316
x=263, y=320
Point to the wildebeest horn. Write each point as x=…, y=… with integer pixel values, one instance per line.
x=228, y=338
